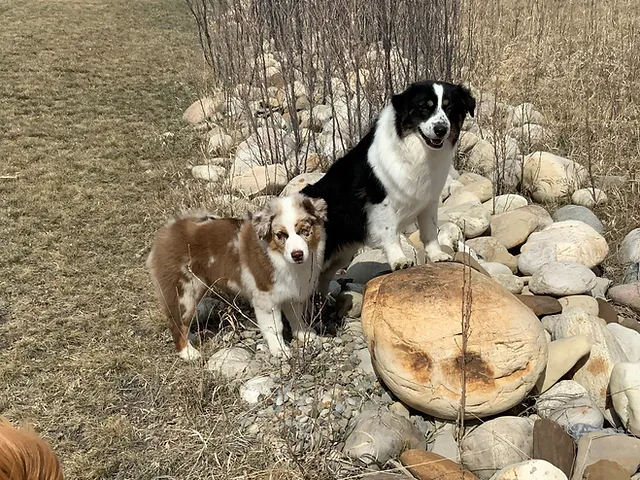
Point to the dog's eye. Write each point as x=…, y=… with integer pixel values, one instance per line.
x=281, y=235
x=305, y=232
x=430, y=103
x=445, y=102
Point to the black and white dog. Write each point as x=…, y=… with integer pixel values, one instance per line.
x=394, y=176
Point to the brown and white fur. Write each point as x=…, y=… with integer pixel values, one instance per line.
x=24, y=455
x=273, y=258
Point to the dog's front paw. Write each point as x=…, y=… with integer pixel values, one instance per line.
x=280, y=351
x=305, y=337
x=439, y=257
x=402, y=264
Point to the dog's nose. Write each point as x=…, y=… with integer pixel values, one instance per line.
x=297, y=256
x=440, y=130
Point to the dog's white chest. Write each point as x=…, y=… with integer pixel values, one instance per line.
x=411, y=190
x=295, y=282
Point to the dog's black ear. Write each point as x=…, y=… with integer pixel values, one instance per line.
x=401, y=108
x=315, y=207
x=467, y=100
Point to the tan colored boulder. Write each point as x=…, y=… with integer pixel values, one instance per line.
x=571, y=241
x=210, y=173
x=512, y=229
x=491, y=250
x=589, y=197
x=412, y=324
x=549, y=177
x=261, y=180
x=505, y=203
x=481, y=187
x=596, y=446
x=585, y=302
x=199, y=111
x=606, y=470
x=544, y=219
x=467, y=141
x=301, y=181
x=564, y=353
x=460, y=197
x=482, y=157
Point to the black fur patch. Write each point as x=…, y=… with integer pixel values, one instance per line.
x=348, y=187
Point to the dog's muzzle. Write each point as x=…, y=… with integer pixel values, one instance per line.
x=434, y=143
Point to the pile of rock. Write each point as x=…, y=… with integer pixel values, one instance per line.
x=546, y=356
x=254, y=145
x=585, y=372
x=546, y=359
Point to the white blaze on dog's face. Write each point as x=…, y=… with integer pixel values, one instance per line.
x=434, y=110
x=293, y=226
x=437, y=127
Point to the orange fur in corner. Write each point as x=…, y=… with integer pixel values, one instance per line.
x=26, y=456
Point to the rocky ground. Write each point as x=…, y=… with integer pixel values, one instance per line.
x=556, y=391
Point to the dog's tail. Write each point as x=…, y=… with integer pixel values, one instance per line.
x=26, y=456
x=196, y=215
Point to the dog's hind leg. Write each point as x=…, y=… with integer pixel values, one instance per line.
x=181, y=312
x=428, y=224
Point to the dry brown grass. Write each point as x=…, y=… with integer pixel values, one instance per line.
x=578, y=62
x=87, y=90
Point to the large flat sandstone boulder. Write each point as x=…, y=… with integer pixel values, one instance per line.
x=412, y=323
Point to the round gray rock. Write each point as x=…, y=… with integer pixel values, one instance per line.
x=505, y=203
x=578, y=212
x=496, y=444
x=510, y=282
x=532, y=260
x=233, y=363
x=630, y=248
x=496, y=268
x=589, y=197
x=473, y=219
x=376, y=437
x=568, y=403
x=561, y=279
